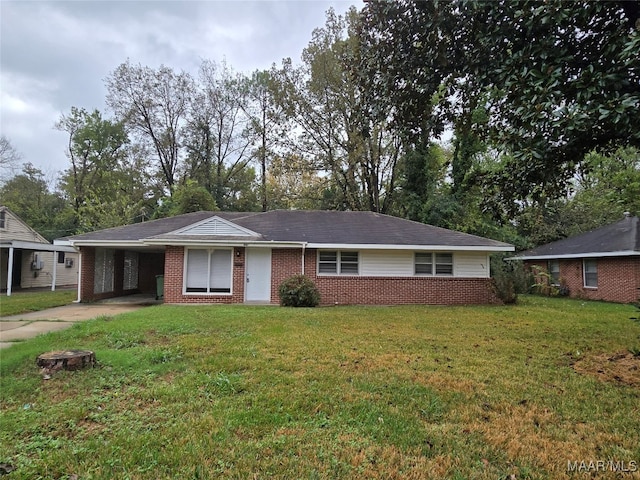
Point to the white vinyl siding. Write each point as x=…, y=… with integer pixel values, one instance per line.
x=471, y=264
x=208, y=271
x=381, y=263
x=401, y=263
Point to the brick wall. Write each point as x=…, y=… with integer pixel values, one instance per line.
x=174, y=280
x=343, y=290
x=88, y=261
x=618, y=278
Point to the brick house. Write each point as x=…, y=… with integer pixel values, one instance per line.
x=603, y=264
x=233, y=257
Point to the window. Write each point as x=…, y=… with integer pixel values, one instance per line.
x=338, y=263
x=444, y=263
x=590, y=268
x=208, y=271
x=554, y=272
x=433, y=263
x=103, y=273
x=60, y=257
x=424, y=264
x=3, y=219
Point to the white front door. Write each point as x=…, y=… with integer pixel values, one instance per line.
x=258, y=275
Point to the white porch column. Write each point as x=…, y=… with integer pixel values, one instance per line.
x=54, y=257
x=79, y=277
x=10, y=272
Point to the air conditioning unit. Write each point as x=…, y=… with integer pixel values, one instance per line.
x=68, y=263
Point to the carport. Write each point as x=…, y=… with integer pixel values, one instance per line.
x=12, y=256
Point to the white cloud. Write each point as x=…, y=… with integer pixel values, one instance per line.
x=56, y=54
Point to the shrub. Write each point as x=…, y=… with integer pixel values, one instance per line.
x=299, y=291
x=509, y=278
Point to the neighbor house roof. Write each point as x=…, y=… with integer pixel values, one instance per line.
x=312, y=228
x=615, y=240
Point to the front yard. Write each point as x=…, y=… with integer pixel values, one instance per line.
x=538, y=390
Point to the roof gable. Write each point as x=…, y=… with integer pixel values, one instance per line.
x=215, y=226
x=17, y=229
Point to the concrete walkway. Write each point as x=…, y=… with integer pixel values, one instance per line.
x=28, y=325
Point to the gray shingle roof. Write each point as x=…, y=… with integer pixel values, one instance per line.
x=617, y=238
x=311, y=226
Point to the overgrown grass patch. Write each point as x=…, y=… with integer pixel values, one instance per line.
x=345, y=392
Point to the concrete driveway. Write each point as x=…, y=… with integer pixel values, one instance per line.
x=28, y=325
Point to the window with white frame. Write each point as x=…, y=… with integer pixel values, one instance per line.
x=432, y=263
x=208, y=271
x=590, y=269
x=554, y=272
x=338, y=263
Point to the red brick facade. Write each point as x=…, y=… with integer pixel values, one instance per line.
x=334, y=290
x=618, y=278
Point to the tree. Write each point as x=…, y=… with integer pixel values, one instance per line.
x=106, y=183
x=29, y=196
x=9, y=158
x=154, y=104
x=357, y=149
x=217, y=135
x=555, y=79
x=266, y=122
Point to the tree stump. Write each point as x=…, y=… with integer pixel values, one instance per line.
x=66, y=360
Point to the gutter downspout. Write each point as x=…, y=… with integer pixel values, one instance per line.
x=304, y=246
x=79, y=275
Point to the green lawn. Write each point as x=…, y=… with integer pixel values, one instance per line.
x=33, y=301
x=328, y=393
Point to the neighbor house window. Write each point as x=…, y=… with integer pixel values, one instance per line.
x=208, y=271
x=103, y=273
x=3, y=219
x=554, y=272
x=338, y=263
x=433, y=263
x=590, y=273
x=60, y=257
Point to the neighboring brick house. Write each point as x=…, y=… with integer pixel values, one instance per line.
x=233, y=257
x=603, y=264
x=28, y=260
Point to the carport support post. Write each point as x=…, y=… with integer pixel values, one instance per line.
x=10, y=272
x=54, y=261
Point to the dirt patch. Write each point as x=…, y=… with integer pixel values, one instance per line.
x=621, y=368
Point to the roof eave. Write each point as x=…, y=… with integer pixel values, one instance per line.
x=431, y=248
x=621, y=253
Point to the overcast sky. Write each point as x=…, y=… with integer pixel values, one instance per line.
x=56, y=54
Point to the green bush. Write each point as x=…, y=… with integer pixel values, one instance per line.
x=509, y=278
x=299, y=291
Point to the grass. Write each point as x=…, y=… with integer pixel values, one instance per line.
x=22, y=302
x=346, y=392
